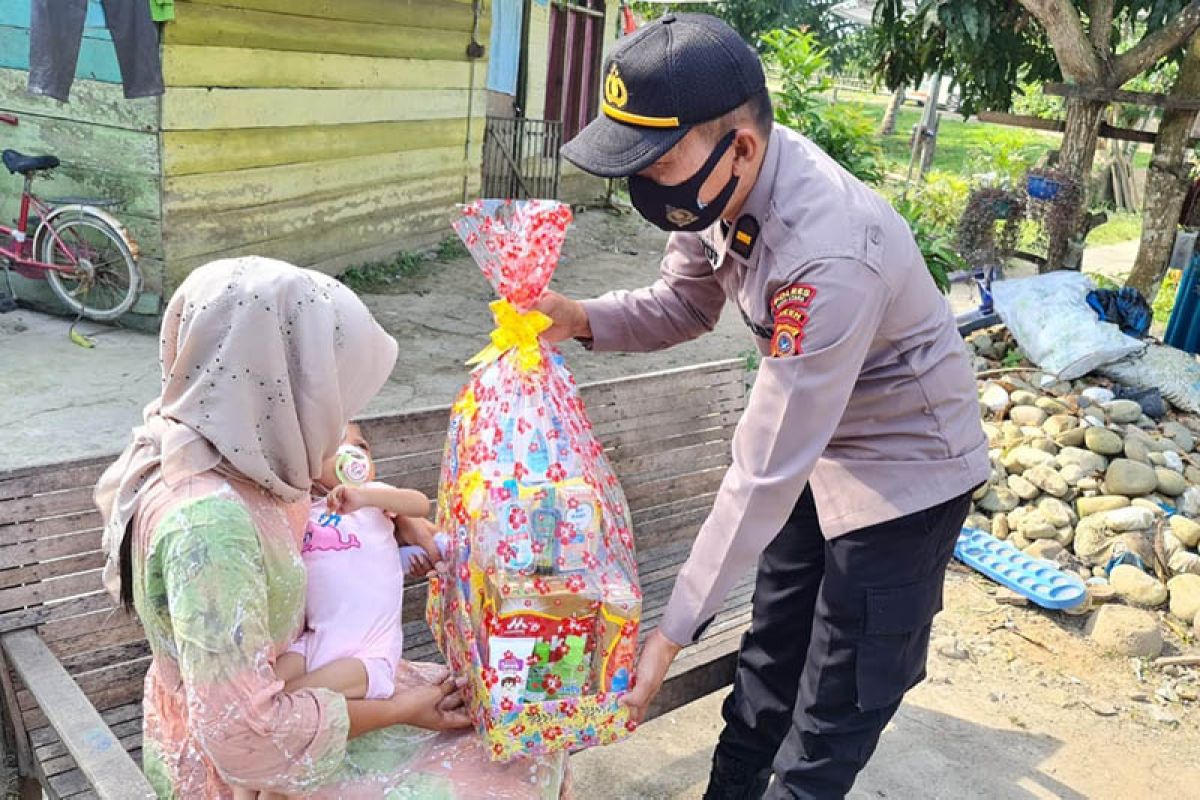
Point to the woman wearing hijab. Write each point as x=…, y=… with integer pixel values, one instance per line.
x=263, y=365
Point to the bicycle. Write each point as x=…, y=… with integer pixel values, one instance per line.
x=84, y=253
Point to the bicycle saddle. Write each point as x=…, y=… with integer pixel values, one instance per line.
x=19, y=162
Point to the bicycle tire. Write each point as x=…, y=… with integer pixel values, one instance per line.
x=116, y=267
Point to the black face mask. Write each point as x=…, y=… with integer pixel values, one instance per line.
x=678, y=208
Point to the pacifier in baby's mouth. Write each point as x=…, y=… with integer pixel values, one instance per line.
x=353, y=465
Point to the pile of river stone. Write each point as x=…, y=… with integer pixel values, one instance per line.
x=1081, y=478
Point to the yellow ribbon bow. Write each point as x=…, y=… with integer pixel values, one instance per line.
x=514, y=330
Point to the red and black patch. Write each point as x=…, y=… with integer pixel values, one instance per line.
x=790, y=317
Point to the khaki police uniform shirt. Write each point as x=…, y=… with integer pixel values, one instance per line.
x=865, y=390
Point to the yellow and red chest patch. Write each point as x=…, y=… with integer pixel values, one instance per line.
x=789, y=310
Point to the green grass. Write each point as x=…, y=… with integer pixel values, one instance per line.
x=1121, y=227
x=376, y=276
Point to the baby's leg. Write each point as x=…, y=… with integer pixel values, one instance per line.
x=347, y=676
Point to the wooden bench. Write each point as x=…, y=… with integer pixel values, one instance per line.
x=73, y=666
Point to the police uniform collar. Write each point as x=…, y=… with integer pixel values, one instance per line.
x=740, y=240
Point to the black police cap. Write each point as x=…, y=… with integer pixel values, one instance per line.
x=672, y=74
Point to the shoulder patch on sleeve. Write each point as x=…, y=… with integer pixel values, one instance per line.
x=788, y=308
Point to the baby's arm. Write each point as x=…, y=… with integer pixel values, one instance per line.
x=420, y=532
x=398, y=502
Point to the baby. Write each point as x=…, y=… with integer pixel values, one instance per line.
x=353, y=636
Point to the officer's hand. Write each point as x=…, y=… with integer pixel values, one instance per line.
x=570, y=319
x=657, y=655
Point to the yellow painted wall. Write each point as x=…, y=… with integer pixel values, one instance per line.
x=323, y=132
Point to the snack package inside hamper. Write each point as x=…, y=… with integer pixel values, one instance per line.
x=541, y=606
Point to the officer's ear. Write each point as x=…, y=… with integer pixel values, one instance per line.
x=747, y=149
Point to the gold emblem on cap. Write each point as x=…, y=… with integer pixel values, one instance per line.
x=615, y=93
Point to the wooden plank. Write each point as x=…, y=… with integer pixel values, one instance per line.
x=248, y=188
x=99, y=755
x=234, y=67
x=190, y=152
x=106, y=686
x=115, y=655
x=80, y=145
x=306, y=250
x=47, y=570
x=715, y=411
x=209, y=109
x=37, y=594
x=92, y=102
x=62, y=632
x=30, y=617
x=46, y=736
x=33, y=530
x=198, y=233
x=45, y=505
x=677, y=487
x=12, y=713
x=55, y=759
x=1106, y=131
x=620, y=441
x=52, y=476
x=238, y=27
x=97, y=57
x=1150, y=99
x=46, y=549
x=452, y=15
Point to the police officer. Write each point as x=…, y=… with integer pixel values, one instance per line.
x=861, y=442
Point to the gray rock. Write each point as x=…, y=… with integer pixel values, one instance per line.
x=1126, y=631
x=1028, y=457
x=1128, y=519
x=998, y=499
x=1172, y=461
x=979, y=522
x=1034, y=526
x=1180, y=435
x=948, y=647
x=1148, y=504
x=1130, y=478
x=1047, y=479
x=1052, y=406
x=1189, y=503
x=1101, y=592
x=1086, y=506
x=1065, y=535
x=1023, y=488
x=1185, y=596
x=1093, y=541
x=1045, y=549
x=1097, y=395
x=1158, y=459
x=1072, y=474
x=1103, y=441
x=1055, y=511
x=1185, y=530
x=1192, y=474
x=1089, y=462
x=1123, y=411
x=1071, y=438
x=1137, y=587
x=1027, y=416
x=1060, y=424
x=1000, y=526
x=1023, y=397
x=994, y=397
x=1170, y=482
x=1089, y=485
x=1137, y=450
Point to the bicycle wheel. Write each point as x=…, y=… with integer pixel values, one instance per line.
x=106, y=281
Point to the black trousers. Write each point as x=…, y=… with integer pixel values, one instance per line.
x=840, y=631
x=56, y=31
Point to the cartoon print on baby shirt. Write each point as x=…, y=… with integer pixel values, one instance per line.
x=325, y=534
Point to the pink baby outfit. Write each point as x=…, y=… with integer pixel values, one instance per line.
x=355, y=588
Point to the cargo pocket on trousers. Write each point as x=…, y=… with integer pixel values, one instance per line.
x=895, y=642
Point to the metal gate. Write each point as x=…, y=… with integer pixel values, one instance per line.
x=520, y=158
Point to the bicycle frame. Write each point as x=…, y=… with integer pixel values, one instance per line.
x=19, y=249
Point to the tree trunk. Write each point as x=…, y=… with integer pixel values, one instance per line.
x=1078, y=151
x=893, y=111
x=1167, y=181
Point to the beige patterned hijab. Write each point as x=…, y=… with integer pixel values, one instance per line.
x=263, y=363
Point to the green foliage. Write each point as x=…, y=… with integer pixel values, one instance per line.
x=1004, y=159
x=377, y=276
x=1013, y=358
x=941, y=200
x=1102, y=281
x=936, y=243
x=841, y=130
x=1164, y=301
x=1031, y=101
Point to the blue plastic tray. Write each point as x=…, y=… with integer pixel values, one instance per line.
x=1045, y=585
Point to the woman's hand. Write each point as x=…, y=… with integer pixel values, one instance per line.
x=435, y=707
x=652, y=666
x=569, y=317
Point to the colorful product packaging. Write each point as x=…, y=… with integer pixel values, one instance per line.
x=541, y=607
